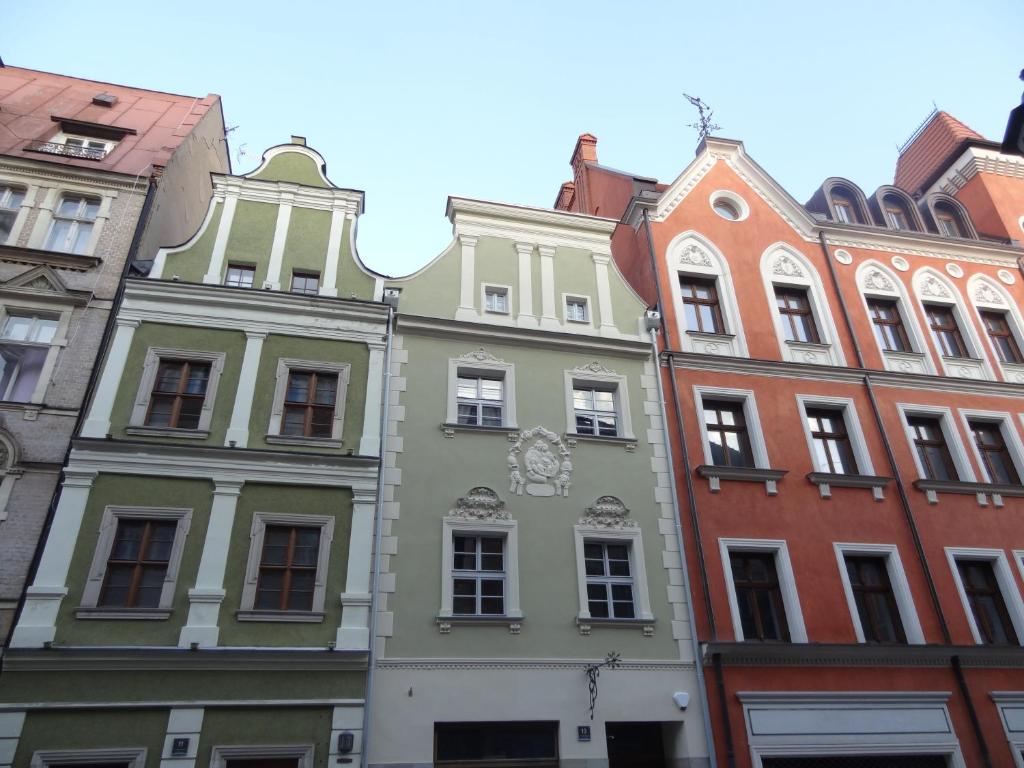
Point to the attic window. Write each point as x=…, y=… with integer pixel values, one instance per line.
x=82, y=140
x=104, y=99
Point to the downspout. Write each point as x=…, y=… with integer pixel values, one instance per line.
x=692, y=501
x=371, y=657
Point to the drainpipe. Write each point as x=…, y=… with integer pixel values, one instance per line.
x=392, y=302
x=695, y=641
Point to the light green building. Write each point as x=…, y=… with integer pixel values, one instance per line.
x=528, y=524
x=204, y=595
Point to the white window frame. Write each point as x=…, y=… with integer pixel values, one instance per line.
x=851, y=420
x=257, y=532
x=284, y=367
x=827, y=350
x=229, y=265
x=977, y=361
x=750, y=416
x=1004, y=578
x=134, y=756
x=478, y=401
x=897, y=580
x=59, y=340
x=112, y=515
x=707, y=263
x=1011, y=439
x=1014, y=321
x=784, y=573
x=588, y=314
x=949, y=432
x=73, y=231
x=507, y=529
x=486, y=288
x=585, y=378
x=917, y=360
x=140, y=408
x=481, y=365
x=304, y=753
x=633, y=539
x=20, y=213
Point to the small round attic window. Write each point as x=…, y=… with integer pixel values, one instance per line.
x=729, y=205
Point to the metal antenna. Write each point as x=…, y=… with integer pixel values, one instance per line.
x=704, y=125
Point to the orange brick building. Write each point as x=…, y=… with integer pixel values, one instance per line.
x=844, y=386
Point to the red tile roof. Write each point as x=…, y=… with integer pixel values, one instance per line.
x=929, y=150
x=30, y=99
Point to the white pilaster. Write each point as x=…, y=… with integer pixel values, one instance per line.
x=548, y=317
x=11, y=724
x=98, y=422
x=350, y=720
x=43, y=219
x=526, y=316
x=354, y=632
x=467, y=280
x=369, y=443
x=329, y=284
x=182, y=723
x=604, y=294
x=38, y=622
x=284, y=216
x=205, y=599
x=241, y=411
x=220, y=243
x=102, y=217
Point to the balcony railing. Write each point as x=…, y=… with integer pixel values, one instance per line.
x=68, y=150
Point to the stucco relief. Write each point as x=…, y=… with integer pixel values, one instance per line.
x=594, y=367
x=695, y=256
x=608, y=512
x=481, y=503
x=546, y=468
x=480, y=355
x=986, y=294
x=932, y=286
x=876, y=280
x=787, y=267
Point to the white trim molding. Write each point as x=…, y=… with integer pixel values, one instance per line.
x=132, y=757
x=621, y=531
x=150, y=368
x=483, y=364
x=285, y=365
x=1011, y=714
x=784, y=572
x=933, y=288
x=877, y=281
x=596, y=376
x=897, y=580
x=303, y=754
x=1004, y=578
x=950, y=433
x=753, y=421
x=491, y=525
x=987, y=295
x=1007, y=429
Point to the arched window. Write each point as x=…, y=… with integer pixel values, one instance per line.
x=1002, y=323
x=892, y=318
x=845, y=205
x=949, y=216
x=897, y=214
x=949, y=326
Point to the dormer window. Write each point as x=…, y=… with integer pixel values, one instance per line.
x=845, y=208
x=896, y=215
x=951, y=219
x=81, y=139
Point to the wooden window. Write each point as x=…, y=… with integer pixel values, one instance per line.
x=480, y=401
x=287, y=576
x=846, y=212
x=178, y=394
x=947, y=221
x=832, y=450
x=595, y=411
x=758, y=596
x=72, y=224
x=994, y=453
x=609, y=580
x=309, y=404
x=137, y=564
x=11, y=199
x=998, y=329
x=727, y=434
x=896, y=214
x=986, y=602
x=306, y=282
x=700, y=305
x=478, y=576
x=932, y=451
x=945, y=331
x=797, y=317
x=888, y=325
x=240, y=275
x=876, y=603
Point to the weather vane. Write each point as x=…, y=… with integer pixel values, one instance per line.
x=704, y=126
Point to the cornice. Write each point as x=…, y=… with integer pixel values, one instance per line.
x=142, y=659
x=481, y=333
x=921, y=244
x=972, y=161
x=537, y=226
x=824, y=698
x=529, y=664
x=35, y=256
x=66, y=174
x=740, y=654
x=276, y=192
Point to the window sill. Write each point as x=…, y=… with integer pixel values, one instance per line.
x=445, y=623
x=828, y=480
x=965, y=367
x=585, y=624
x=981, y=491
x=629, y=442
x=131, y=614
x=314, y=442
x=294, y=617
x=715, y=474
x=713, y=343
x=190, y=434
x=450, y=429
x=811, y=352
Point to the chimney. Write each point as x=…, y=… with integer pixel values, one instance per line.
x=585, y=153
x=566, y=195
x=300, y=140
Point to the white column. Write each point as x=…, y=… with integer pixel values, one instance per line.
x=604, y=294
x=98, y=422
x=208, y=594
x=467, y=281
x=220, y=243
x=548, y=317
x=329, y=284
x=182, y=723
x=11, y=724
x=284, y=215
x=38, y=622
x=369, y=443
x=526, y=316
x=238, y=429
x=354, y=632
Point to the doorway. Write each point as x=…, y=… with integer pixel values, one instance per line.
x=636, y=745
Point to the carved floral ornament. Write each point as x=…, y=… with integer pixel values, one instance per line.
x=481, y=355
x=787, y=267
x=695, y=255
x=986, y=294
x=594, y=367
x=546, y=468
x=607, y=512
x=480, y=503
x=877, y=280
x=932, y=286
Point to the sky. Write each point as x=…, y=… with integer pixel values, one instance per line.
x=415, y=101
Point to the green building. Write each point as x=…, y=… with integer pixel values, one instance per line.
x=204, y=594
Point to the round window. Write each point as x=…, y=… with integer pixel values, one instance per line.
x=729, y=205
x=726, y=209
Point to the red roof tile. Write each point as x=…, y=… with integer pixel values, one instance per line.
x=929, y=150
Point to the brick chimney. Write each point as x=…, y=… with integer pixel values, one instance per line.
x=566, y=197
x=584, y=154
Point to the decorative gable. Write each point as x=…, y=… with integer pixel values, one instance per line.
x=41, y=278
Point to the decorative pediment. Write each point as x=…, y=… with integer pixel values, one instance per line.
x=607, y=512
x=481, y=503
x=877, y=280
x=480, y=355
x=41, y=278
x=787, y=266
x=986, y=294
x=594, y=367
x=694, y=255
x=932, y=286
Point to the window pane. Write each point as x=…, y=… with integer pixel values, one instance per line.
x=490, y=389
x=20, y=368
x=189, y=413
x=604, y=401
x=198, y=377
x=467, y=387
x=294, y=422
x=326, y=389
x=298, y=388
x=583, y=399
x=82, y=235
x=59, y=233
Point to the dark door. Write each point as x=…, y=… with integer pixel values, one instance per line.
x=635, y=745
